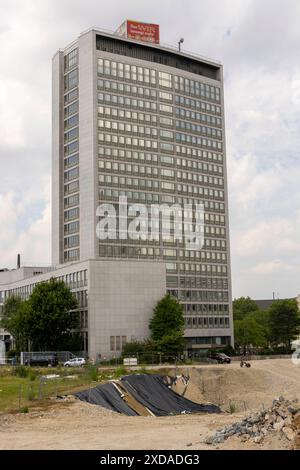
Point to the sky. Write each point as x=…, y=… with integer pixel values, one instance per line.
x=257, y=41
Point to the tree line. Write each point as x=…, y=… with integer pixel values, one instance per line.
x=271, y=330
x=47, y=321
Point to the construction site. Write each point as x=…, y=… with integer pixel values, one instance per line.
x=209, y=407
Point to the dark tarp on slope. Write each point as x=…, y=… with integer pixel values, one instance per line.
x=108, y=397
x=152, y=392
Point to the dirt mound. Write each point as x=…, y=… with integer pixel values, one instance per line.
x=233, y=389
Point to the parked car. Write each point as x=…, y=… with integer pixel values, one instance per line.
x=75, y=362
x=221, y=358
x=43, y=360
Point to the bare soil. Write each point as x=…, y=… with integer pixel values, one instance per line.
x=77, y=425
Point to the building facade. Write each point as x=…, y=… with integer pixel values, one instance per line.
x=146, y=122
x=115, y=299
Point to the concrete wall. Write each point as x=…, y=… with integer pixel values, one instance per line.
x=122, y=295
x=88, y=138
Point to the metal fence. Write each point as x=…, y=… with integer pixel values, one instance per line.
x=62, y=356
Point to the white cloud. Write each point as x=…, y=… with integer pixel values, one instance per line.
x=258, y=42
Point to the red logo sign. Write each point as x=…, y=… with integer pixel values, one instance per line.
x=143, y=31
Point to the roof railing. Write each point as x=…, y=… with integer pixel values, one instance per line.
x=170, y=47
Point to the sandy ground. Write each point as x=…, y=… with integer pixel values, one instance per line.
x=79, y=425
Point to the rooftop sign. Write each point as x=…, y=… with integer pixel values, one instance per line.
x=146, y=32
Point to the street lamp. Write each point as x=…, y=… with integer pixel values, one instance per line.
x=181, y=41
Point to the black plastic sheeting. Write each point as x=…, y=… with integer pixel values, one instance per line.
x=108, y=397
x=152, y=392
x=149, y=390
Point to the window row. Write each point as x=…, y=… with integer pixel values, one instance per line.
x=127, y=115
x=71, y=109
x=71, y=188
x=195, y=255
x=73, y=280
x=199, y=322
x=71, y=242
x=71, y=255
x=127, y=71
x=199, y=141
x=169, y=160
x=137, y=196
x=194, y=88
x=71, y=96
x=71, y=148
x=199, y=191
x=199, y=166
x=143, y=105
x=116, y=180
x=213, y=269
x=197, y=295
x=128, y=141
x=71, y=161
x=71, y=134
x=199, y=105
x=195, y=128
x=128, y=251
x=72, y=174
x=116, y=126
x=71, y=122
x=201, y=154
x=128, y=155
x=128, y=168
x=71, y=228
x=201, y=282
x=71, y=201
x=126, y=89
x=71, y=59
x=150, y=185
x=71, y=80
x=198, y=178
x=71, y=214
x=201, y=117
x=147, y=75
x=210, y=309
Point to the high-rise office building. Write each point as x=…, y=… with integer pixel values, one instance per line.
x=145, y=121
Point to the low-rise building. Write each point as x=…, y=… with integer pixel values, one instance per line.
x=115, y=298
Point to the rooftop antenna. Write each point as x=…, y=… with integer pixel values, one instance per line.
x=19, y=261
x=181, y=41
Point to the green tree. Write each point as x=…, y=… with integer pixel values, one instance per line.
x=14, y=320
x=284, y=322
x=167, y=326
x=242, y=306
x=50, y=321
x=262, y=318
x=248, y=332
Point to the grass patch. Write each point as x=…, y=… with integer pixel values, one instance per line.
x=19, y=390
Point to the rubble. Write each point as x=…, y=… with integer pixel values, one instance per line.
x=283, y=417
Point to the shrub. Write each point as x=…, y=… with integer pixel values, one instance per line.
x=30, y=395
x=20, y=371
x=24, y=409
x=32, y=375
x=91, y=373
x=120, y=372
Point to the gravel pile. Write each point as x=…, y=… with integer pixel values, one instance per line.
x=283, y=418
